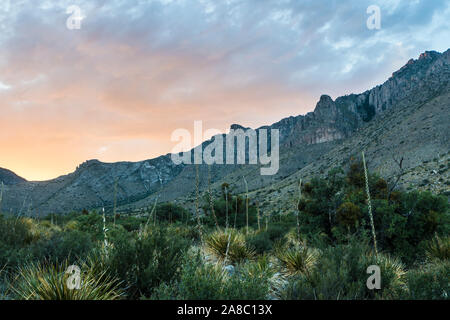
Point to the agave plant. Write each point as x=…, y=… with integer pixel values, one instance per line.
x=438, y=248
x=297, y=260
x=51, y=282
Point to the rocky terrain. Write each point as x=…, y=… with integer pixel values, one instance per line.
x=406, y=117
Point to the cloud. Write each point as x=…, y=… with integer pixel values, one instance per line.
x=137, y=70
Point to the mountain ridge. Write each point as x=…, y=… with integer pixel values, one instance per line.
x=315, y=134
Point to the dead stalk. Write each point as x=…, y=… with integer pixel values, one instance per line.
x=246, y=200
x=298, y=205
x=369, y=203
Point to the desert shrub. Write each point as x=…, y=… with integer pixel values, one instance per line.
x=348, y=214
x=131, y=223
x=92, y=224
x=143, y=263
x=431, y=281
x=340, y=273
x=69, y=245
x=15, y=232
x=50, y=282
x=277, y=230
x=438, y=248
x=202, y=281
x=220, y=209
x=260, y=241
x=170, y=212
x=355, y=174
x=15, y=238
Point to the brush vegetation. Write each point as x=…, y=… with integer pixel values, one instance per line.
x=320, y=250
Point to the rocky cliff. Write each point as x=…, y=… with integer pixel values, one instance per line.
x=306, y=140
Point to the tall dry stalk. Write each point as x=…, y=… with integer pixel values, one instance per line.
x=1, y=196
x=115, y=200
x=369, y=203
x=105, y=236
x=246, y=200
x=297, y=208
x=226, y=207
x=211, y=200
x=197, y=198
x=257, y=215
x=236, y=212
x=151, y=215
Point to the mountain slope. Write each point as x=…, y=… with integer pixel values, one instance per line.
x=9, y=178
x=406, y=115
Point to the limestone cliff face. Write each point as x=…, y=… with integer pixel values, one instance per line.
x=418, y=80
x=92, y=184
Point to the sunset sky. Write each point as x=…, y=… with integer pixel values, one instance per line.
x=116, y=88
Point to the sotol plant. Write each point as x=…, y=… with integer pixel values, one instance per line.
x=50, y=282
x=229, y=245
x=297, y=260
x=438, y=248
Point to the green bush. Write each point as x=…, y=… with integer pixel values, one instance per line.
x=69, y=245
x=202, y=281
x=260, y=241
x=340, y=274
x=144, y=262
x=430, y=282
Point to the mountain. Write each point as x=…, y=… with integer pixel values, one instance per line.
x=407, y=116
x=9, y=178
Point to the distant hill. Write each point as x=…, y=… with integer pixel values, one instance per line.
x=407, y=116
x=9, y=178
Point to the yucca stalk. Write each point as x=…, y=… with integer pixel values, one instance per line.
x=235, y=213
x=228, y=247
x=115, y=200
x=197, y=199
x=246, y=201
x=257, y=215
x=297, y=208
x=1, y=196
x=226, y=207
x=151, y=215
x=211, y=200
x=369, y=204
x=105, y=235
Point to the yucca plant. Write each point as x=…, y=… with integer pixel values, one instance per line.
x=229, y=245
x=392, y=275
x=297, y=260
x=50, y=282
x=438, y=248
x=263, y=266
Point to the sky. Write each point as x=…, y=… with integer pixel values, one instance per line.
x=117, y=87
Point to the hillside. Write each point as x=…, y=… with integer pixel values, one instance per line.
x=407, y=117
